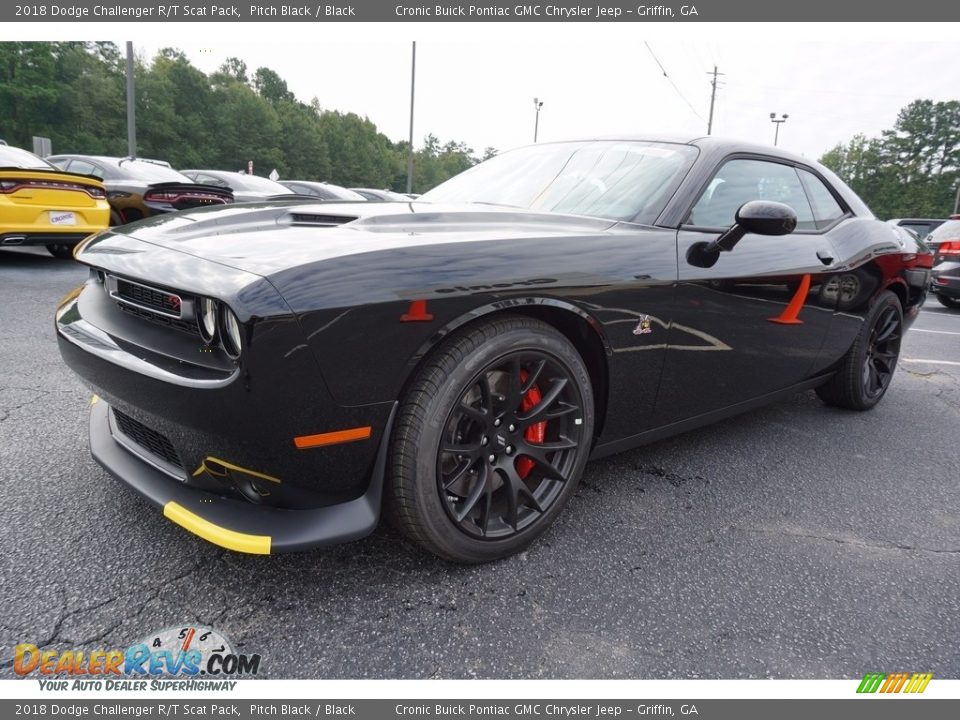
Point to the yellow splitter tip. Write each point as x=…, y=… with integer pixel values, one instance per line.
x=229, y=539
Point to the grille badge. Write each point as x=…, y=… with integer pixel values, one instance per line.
x=148, y=298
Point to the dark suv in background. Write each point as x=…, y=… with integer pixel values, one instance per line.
x=945, y=279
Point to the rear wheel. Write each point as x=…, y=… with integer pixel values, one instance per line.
x=948, y=302
x=490, y=440
x=867, y=369
x=64, y=252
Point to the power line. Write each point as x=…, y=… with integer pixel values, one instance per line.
x=670, y=80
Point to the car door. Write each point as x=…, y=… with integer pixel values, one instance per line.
x=754, y=322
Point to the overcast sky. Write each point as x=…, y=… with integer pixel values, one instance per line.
x=481, y=90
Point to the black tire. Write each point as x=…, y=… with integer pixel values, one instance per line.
x=867, y=369
x=64, y=252
x=463, y=430
x=948, y=302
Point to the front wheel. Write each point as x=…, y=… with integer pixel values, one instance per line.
x=490, y=440
x=867, y=369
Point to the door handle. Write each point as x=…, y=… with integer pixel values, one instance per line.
x=826, y=256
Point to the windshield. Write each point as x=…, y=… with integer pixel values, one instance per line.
x=255, y=183
x=608, y=179
x=150, y=172
x=15, y=157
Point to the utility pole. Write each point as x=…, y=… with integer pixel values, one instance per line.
x=713, y=97
x=131, y=106
x=413, y=80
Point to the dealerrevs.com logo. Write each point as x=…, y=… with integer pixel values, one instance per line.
x=175, y=658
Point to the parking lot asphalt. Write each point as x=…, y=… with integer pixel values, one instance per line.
x=796, y=541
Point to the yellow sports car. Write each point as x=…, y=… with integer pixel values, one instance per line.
x=43, y=205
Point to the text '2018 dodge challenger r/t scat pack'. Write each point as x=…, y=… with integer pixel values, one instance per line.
x=271, y=375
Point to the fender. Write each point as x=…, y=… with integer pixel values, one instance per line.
x=523, y=305
x=506, y=305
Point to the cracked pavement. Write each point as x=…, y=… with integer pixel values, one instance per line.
x=797, y=541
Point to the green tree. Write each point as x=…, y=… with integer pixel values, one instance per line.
x=271, y=86
x=75, y=93
x=28, y=90
x=912, y=169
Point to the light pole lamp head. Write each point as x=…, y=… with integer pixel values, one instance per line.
x=772, y=115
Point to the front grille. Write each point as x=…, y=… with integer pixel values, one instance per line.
x=150, y=440
x=149, y=297
x=165, y=320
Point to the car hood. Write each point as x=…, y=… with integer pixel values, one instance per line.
x=266, y=238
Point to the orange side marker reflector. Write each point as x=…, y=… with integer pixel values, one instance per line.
x=332, y=438
x=790, y=314
x=417, y=312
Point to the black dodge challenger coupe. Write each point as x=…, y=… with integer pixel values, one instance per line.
x=271, y=374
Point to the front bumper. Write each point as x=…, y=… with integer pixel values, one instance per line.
x=235, y=524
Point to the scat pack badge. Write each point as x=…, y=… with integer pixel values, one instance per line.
x=644, y=327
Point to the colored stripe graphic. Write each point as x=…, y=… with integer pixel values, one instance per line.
x=894, y=683
x=918, y=683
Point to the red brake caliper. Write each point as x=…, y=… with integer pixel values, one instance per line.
x=535, y=433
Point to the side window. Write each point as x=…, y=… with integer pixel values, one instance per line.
x=826, y=209
x=82, y=167
x=204, y=179
x=305, y=190
x=740, y=181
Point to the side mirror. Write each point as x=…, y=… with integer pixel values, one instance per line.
x=761, y=217
x=758, y=217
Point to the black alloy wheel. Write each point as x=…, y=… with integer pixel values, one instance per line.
x=864, y=374
x=510, y=444
x=883, y=349
x=490, y=440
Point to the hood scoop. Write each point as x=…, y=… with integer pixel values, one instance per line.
x=318, y=220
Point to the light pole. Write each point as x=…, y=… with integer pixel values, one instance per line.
x=131, y=106
x=413, y=82
x=537, y=104
x=777, y=122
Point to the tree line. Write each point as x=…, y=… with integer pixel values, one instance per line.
x=912, y=169
x=75, y=94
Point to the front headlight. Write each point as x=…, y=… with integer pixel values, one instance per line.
x=208, y=319
x=231, y=333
